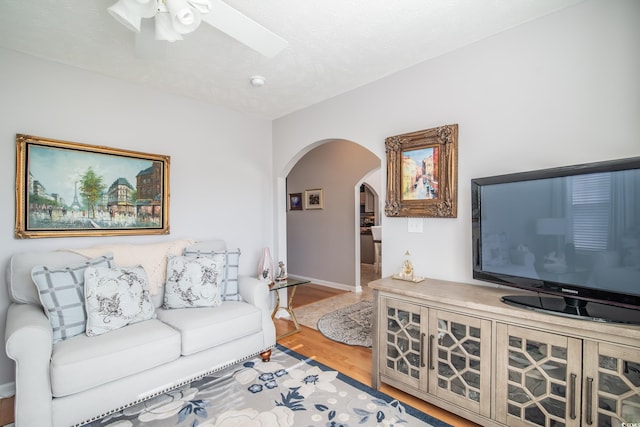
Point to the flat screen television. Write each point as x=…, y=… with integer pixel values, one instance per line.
x=569, y=234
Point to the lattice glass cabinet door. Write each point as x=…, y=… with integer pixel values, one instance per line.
x=612, y=385
x=538, y=378
x=459, y=360
x=401, y=341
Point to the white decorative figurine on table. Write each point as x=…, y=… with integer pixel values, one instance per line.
x=406, y=271
x=282, y=272
x=407, y=267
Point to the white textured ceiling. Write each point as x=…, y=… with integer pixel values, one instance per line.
x=334, y=45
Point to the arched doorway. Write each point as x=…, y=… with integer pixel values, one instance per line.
x=323, y=244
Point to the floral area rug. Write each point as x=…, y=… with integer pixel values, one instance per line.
x=350, y=325
x=290, y=390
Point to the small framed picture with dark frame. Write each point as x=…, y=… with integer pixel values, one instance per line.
x=295, y=201
x=314, y=199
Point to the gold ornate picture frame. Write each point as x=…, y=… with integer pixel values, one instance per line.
x=67, y=189
x=422, y=173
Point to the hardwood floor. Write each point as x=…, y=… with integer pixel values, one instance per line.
x=353, y=361
x=311, y=292
x=6, y=411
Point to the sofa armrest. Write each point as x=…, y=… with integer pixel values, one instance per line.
x=28, y=341
x=257, y=293
x=254, y=292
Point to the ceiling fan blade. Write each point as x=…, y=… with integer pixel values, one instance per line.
x=245, y=30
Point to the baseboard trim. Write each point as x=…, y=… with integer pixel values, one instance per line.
x=7, y=390
x=350, y=288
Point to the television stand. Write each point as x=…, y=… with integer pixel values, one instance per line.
x=459, y=347
x=571, y=307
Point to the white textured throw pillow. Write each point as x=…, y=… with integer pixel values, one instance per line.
x=194, y=282
x=116, y=297
x=61, y=292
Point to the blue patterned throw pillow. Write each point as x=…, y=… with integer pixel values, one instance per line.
x=230, y=290
x=61, y=292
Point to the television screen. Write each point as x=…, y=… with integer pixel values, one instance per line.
x=572, y=232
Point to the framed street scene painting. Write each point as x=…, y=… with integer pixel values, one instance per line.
x=66, y=189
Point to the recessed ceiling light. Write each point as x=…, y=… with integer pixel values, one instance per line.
x=257, y=81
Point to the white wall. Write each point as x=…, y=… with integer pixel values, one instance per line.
x=220, y=171
x=560, y=90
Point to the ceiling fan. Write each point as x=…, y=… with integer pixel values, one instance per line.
x=173, y=18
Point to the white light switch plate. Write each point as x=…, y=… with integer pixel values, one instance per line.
x=414, y=225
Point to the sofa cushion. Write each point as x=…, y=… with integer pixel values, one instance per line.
x=83, y=362
x=61, y=293
x=194, y=282
x=203, y=328
x=116, y=297
x=231, y=266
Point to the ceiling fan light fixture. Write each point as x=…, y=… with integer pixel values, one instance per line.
x=173, y=18
x=184, y=17
x=128, y=13
x=148, y=8
x=187, y=24
x=164, y=28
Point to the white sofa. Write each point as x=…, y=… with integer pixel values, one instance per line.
x=82, y=378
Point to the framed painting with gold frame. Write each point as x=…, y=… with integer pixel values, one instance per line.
x=68, y=189
x=422, y=175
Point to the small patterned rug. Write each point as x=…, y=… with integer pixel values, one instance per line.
x=288, y=391
x=309, y=314
x=349, y=325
